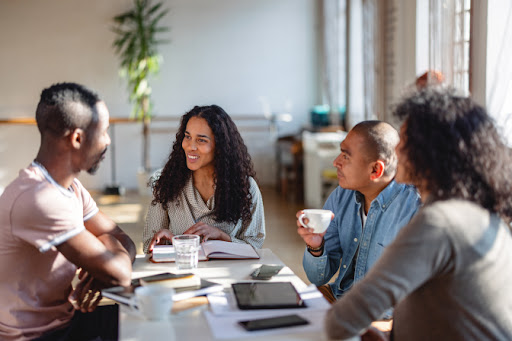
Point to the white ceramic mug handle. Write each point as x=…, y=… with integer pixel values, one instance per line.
x=301, y=221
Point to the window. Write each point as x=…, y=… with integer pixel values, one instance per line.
x=461, y=44
x=443, y=29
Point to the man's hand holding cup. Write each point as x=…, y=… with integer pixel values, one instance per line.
x=312, y=225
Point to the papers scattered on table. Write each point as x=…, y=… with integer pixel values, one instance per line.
x=224, y=315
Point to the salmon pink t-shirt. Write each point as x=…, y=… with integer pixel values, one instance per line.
x=36, y=215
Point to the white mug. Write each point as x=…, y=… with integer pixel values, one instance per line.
x=154, y=302
x=318, y=220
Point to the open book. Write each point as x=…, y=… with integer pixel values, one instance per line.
x=125, y=294
x=210, y=249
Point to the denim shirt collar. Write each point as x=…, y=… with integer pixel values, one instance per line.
x=385, y=197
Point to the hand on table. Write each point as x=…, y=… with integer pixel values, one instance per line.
x=207, y=232
x=87, y=294
x=159, y=237
x=312, y=239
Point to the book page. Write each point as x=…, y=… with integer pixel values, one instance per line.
x=222, y=249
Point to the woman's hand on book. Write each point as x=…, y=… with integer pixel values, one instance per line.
x=159, y=237
x=207, y=232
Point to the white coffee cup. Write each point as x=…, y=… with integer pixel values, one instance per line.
x=318, y=220
x=154, y=302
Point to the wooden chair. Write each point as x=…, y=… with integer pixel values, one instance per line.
x=290, y=169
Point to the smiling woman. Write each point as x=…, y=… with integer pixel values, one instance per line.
x=207, y=186
x=199, y=147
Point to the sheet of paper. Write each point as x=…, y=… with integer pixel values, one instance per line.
x=227, y=327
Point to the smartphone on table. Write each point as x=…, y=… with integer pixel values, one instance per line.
x=273, y=322
x=266, y=271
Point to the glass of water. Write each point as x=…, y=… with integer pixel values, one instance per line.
x=186, y=247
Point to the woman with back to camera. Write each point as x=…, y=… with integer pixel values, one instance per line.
x=207, y=186
x=448, y=273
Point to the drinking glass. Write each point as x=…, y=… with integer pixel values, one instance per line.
x=186, y=247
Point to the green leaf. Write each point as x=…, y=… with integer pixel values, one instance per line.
x=154, y=9
x=155, y=21
x=122, y=18
x=136, y=43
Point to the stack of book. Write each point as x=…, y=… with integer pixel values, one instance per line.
x=163, y=253
x=171, y=280
x=185, y=285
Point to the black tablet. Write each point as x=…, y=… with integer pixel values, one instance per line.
x=267, y=295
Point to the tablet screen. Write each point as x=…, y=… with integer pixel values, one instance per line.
x=266, y=295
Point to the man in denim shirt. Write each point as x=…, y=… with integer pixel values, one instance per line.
x=369, y=210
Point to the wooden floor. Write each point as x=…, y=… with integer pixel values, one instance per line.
x=129, y=212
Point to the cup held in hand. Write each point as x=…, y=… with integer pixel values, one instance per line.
x=318, y=220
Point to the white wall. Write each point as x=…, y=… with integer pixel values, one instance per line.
x=227, y=52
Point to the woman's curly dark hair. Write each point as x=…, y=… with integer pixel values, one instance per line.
x=232, y=162
x=453, y=145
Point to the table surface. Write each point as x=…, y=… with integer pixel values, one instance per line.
x=191, y=324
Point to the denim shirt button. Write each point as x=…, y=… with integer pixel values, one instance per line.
x=355, y=239
x=344, y=266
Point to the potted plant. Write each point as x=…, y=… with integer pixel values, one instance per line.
x=136, y=45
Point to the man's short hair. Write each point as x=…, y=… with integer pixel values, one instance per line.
x=380, y=142
x=64, y=107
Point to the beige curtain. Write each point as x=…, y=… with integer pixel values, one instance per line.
x=370, y=59
x=442, y=37
x=333, y=56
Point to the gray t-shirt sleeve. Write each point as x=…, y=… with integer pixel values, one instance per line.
x=419, y=250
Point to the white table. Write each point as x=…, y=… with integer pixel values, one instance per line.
x=191, y=324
